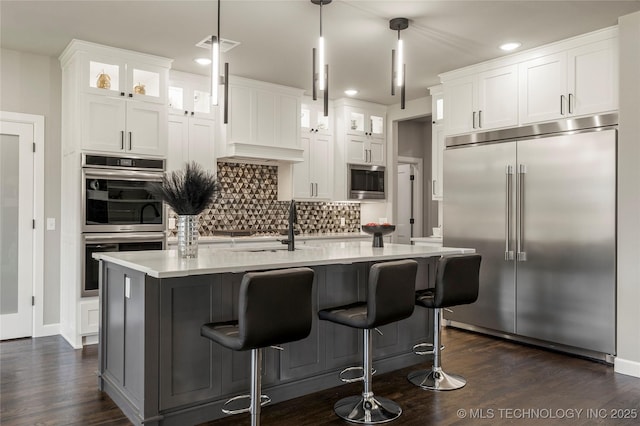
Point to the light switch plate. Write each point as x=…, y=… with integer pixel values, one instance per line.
x=51, y=224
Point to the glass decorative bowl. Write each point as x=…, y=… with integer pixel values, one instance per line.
x=378, y=231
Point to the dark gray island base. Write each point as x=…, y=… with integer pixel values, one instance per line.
x=159, y=370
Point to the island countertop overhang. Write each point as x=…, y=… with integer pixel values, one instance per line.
x=167, y=263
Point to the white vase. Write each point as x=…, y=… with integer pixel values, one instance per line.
x=188, y=235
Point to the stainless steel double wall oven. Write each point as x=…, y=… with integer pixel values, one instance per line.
x=119, y=213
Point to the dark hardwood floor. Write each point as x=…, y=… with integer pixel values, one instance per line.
x=45, y=382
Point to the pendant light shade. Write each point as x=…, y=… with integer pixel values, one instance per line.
x=398, y=69
x=215, y=72
x=320, y=71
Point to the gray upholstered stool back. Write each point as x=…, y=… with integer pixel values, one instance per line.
x=391, y=292
x=274, y=307
x=457, y=281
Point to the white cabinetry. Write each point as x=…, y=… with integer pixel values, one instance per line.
x=580, y=81
x=191, y=139
x=192, y=125
x=263, y=121
x=482, y=101
x=190, y=95
x=120, y=97
x=313, y=177
x=365, y=135
x=115, y=125
x=437, y=140
x=113, y=102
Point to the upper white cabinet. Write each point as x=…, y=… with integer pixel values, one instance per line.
x=482, y=101
x=115, y=100
x=580, y=81
x=437, y=140
x=368, y=122
x=117, y=74
x=573, y=77
x=191, y=139
x=313, y=120
x=115, y=126
x=263, y=121
x=190, y=95
x=313, y=177
x=364, y=130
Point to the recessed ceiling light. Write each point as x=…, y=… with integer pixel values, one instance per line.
x=510, y=46
x=203, y=61
x=351, y=92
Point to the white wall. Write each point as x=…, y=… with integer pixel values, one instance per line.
x=628, y=327
x=31, y=84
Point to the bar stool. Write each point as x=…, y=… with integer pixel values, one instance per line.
x=457, y=283
x=275, y=307
x=390, y=298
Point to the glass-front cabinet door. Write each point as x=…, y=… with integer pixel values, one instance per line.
x=114, y=77
x=312, y=119
x=190, y=95
x=365, y=123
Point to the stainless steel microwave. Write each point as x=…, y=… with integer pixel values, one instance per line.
x=365, y=182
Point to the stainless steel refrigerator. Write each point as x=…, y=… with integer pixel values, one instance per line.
x=539, y=204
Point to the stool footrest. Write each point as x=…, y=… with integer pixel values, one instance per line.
x=264, y=400
x=417, y=349
x=353, y=379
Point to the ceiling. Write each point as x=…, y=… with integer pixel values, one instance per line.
x=276, y=36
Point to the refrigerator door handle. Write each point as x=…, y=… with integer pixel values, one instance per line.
x=508, y=253
x=521, y=255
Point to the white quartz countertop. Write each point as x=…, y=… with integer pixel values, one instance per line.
x=212, y=260
x=276, y=238
x=429, y=240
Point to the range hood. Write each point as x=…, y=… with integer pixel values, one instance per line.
x=241, y=152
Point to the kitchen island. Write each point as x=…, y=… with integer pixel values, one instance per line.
x=159, y=370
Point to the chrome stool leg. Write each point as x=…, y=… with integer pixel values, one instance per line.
x=367, y=408
x=436, y=378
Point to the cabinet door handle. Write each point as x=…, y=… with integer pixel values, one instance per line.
x=121, y=93
x=433, y=187
x=311, y=188
x=131, y=95
x=570, y=102
x=480, y=119
x=561, y=104
x=186, y=112
x=122, y=140
x=473, y=120
x=130, y=138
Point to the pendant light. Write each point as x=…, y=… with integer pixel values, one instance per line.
x=320, y=72
x=215, y=72
x=398, y=69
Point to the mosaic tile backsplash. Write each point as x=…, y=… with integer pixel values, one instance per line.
x=249, y=201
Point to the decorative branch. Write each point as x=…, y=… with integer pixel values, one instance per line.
x=188, y=191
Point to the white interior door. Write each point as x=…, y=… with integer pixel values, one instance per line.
x=403, y=227
x=16, y=229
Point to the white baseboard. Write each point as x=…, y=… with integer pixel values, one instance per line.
x=47, y=330
x=91, y=339
x=625, y=366
x=72, y=342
